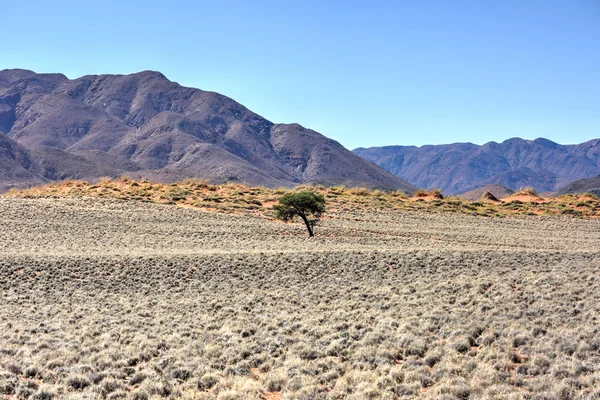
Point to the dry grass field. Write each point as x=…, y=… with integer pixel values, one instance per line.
x=103, y=298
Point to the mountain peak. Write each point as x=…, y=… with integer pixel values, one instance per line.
x=515, y=140
x=149, y=74
x=546, y=143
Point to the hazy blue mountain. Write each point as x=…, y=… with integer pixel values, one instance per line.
x=514, y=163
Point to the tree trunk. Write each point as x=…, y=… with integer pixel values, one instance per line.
x=310, y=231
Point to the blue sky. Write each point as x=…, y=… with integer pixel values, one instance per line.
x=365, y=73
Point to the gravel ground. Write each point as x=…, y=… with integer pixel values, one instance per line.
x=108, y=299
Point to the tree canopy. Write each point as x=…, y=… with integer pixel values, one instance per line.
x=302, y=204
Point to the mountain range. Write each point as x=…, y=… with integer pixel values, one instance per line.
x=515, y=163
x=145, y=126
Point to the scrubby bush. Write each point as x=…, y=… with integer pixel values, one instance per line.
x=78, y=382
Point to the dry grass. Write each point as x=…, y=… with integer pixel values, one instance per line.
x=107, y=299
x=237, y=198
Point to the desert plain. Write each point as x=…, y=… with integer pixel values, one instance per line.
x=104, y=298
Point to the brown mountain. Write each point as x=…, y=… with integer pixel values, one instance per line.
x=498, y=191
x=589, y=185
x=514, y=163
x=144, y=125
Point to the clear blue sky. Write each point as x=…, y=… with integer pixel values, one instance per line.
x=364, y=73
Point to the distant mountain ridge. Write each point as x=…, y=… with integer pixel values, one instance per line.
x=515, y=163
x=143, y=125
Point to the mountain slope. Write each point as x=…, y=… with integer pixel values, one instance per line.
x=589, y=185
x=514, y=163
x=144, y=125
x=16, y=165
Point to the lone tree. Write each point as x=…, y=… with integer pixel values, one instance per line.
x=301, y=204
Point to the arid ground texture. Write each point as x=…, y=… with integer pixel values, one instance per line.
x=120, y=297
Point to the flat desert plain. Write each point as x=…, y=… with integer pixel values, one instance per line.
x=109, y=299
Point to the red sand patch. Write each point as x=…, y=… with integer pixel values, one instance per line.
x=524, y=198
x=273, y=396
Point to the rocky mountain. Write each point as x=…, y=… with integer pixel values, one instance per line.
x=514, y=163
x=143, y=125
x=589, y=185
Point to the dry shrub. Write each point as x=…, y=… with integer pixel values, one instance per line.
x=359, y=191
x=399, y=193
x=421, y=193
x=436, y=193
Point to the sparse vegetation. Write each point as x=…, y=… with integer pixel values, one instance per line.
x=592, y=196
x=103, y=298
x=236, y=198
